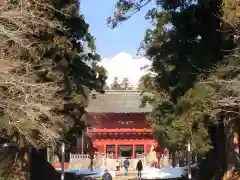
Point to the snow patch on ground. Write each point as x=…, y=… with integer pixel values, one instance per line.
x=148, y=172
x=164, y=173
x=95, y=173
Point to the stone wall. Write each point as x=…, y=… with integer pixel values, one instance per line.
x=78, y=161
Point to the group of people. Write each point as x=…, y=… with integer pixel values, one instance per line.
x=126, y=163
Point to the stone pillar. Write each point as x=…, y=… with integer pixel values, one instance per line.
x=116, y=151
x=133, y=151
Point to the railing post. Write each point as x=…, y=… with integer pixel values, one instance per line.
x=189, y=160
x=63, y=161
x=82, y=141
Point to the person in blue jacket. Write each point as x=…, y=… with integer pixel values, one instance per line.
x=126, y=164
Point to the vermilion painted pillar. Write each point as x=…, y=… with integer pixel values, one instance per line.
x=105, y=149
x=145, y=148
x=116, y=151
x=133, y=151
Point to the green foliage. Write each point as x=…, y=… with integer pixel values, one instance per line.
x=193, y=113
x=115, y=84
x=81, y=69
x=185, y=47
x=123, y=85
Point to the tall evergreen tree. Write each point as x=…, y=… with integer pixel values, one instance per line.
x=183, y=29
x=125, y=84
x=115, y=84
x=185, y=46
x=48, y=65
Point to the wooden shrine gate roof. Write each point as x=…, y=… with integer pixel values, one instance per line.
x=117, y=101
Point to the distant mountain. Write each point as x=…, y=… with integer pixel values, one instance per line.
x=124, y=65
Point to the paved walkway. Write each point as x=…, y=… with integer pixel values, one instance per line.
x=132, y=176
x=120, y=175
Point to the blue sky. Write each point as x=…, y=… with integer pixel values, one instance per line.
x=125, y=38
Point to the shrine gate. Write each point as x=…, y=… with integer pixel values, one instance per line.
x=117, y=125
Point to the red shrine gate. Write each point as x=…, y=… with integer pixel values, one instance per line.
x=122, y=131
x=121, y=134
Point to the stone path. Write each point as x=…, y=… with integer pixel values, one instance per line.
x=132, y=176
x=120, y=175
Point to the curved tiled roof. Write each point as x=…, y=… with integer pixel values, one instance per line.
x=117, y=101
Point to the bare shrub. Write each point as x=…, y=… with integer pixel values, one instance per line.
x=28, y=102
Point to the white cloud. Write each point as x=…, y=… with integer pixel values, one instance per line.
x=124, y=65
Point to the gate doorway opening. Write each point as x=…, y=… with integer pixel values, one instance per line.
x=125, y=151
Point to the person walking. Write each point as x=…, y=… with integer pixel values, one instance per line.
x=139, y=168
x=106, y=175
x=126, y=164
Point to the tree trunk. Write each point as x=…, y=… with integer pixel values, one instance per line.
x=41, y=169
x=174, y=158
x=213, y=166
x=20, y=168
x=232, y=149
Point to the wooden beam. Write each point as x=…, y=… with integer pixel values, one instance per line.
x=122, y=136
x=103, y=130
x=125, y=142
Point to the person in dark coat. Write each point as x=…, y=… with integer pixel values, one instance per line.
x=139, y=168
x=106, y=175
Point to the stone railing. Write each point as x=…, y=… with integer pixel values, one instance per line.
x=103, y=160
x=79, y=156
x=140, y=156
x=78, y=161
x=109, y=156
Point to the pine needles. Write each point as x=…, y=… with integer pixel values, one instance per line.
x=28, y=102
